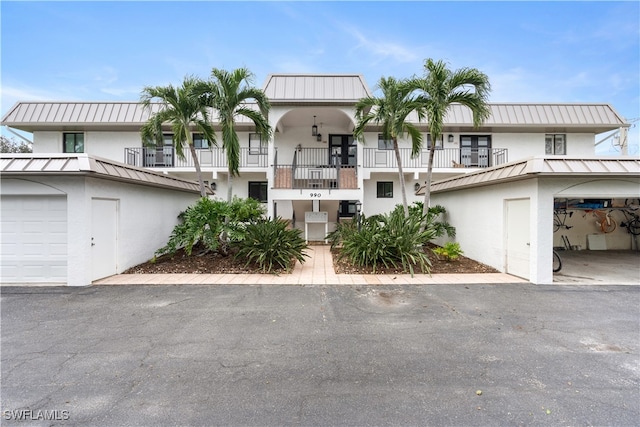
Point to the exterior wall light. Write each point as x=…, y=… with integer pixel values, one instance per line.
x=450, y=138
x=314, y=128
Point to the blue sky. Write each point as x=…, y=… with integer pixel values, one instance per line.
x=532, y=51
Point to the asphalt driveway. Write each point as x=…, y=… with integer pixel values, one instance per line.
x=325, y=355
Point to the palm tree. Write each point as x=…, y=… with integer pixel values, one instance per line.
x=182, y=108
x=441, y=88
x=391, y=111
x=229, y=94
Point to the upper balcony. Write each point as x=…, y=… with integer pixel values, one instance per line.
x=443, y=158
x=318, y=167
x=165, y=157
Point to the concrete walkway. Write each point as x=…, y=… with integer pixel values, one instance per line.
x=317, y=270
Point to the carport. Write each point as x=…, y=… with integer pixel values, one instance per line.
x=599, y=267
x=73, y=219
x=504, y=215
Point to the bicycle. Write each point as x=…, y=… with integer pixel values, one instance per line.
x=632, y=203
x=605, y=221
x=631, y=221
x=557, y=262
x=559, y=222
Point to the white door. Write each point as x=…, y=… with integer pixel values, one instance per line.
x=34, y=239
x=518, y=237
x=104, y=238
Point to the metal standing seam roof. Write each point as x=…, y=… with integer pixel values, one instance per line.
x=79, y=112
x=540, y=166
x=32, y=115
x=84, y=164
x=527, y=115
x=88, y=113
x=282, y=88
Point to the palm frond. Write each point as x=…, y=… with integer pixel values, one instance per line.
x=441, y=88
x=229, y=93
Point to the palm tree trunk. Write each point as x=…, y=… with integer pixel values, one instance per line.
x=427, y=188
x=403, y=189
x=196, y=162
x=229, y=187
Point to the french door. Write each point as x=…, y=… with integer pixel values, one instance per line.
x=160, y=155
x=342, y=150
x=475, y=150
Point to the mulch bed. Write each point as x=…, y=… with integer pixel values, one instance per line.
x=203, y=262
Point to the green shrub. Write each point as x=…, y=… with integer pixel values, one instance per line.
x=343, y=231
x=450, y=251
x=390, y=240
x=271, y=244
x=241, y=212
x=434, y=221
x=205, y=222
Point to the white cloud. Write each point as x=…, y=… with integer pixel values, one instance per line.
x=287, y=64
x=14, y=93
x=105, y=75
x=518, y=85
x=130, y=93
x=383, y=50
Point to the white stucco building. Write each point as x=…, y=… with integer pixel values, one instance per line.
x=313, y=164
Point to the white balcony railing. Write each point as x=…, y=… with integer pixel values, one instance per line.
x=443, y=158
x=165, y=157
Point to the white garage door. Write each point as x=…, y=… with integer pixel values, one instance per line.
x=34, y=239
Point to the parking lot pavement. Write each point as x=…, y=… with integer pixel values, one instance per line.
x=324, y=355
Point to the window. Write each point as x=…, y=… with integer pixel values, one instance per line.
x=347, y=208
x=258, y=190
x=555, y=144
x=439, y=142
x=200, y=142
x=255, y=144
x=73, y=142
x=384, y=144
x=385, y=189
x=167, y=140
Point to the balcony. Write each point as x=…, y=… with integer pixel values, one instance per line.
x=165, y=157
x=314, y=168
x=443, y=158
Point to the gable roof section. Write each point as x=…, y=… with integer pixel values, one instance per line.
x=78, y=112
x=315, y=88
x=84, y=164
x=540, y=166
x=46, y=115
x=592, y=117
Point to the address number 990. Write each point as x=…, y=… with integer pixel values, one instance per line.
x=316, y=195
